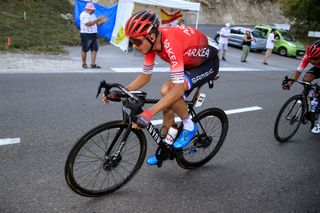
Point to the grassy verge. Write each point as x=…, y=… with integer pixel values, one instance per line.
x=43, y=30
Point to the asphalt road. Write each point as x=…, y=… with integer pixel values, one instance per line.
x=251, y=173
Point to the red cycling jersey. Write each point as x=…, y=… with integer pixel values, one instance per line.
x=183, y=47
x=304, y=63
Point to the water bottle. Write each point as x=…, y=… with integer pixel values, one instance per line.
x=314, y=104
x=171, y=135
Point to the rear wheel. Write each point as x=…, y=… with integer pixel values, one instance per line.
x=213, y=128
x=289, y=118
x=93, y=170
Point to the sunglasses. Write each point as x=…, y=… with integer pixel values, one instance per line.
x=137, y=41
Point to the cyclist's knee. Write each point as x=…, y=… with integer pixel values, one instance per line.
x=166, y=87
x=308, y=77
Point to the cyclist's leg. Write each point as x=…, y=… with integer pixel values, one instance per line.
x=179, y=107
x=312, y=74
x=309, y=77
x=168, y=114
x=195, y=77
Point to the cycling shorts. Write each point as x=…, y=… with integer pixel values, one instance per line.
x=89, y=41
x=198, y=76
x=315, y=71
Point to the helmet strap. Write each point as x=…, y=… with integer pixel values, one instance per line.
x=152, y=43
x=155, y=31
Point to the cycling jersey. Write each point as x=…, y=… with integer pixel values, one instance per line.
x=183, y=47
x=304, y=63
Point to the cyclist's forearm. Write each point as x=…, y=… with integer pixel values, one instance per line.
x=139, y=82
x=296, y=75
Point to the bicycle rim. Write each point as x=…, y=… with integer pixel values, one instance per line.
x=206, y=144
x=89, y=173
x=289, y=118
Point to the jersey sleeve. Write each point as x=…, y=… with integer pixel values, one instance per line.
x=304, y=63
x=149, y=62
x=175, y=54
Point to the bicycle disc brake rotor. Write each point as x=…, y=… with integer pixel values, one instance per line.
x=202, y=141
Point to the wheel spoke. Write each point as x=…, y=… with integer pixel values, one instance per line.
x=289, y=119
x=91, y=171
x=209, y=141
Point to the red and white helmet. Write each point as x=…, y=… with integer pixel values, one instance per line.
x=313, y=50
x=141, y=23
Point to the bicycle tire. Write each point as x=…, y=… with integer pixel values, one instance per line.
x=94, y=142
x=219, y=124
x=284, y=136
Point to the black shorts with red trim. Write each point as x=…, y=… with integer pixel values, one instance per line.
x=202, y=74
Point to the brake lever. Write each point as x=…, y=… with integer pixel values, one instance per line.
x=104, y=85
x=285, y=82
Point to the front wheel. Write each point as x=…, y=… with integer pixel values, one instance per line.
x=289, y=118
x=95, y=167
x=213, y=128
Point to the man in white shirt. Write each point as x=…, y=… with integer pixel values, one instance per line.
x=269, y=46
x=89, y=34
x=223, y=40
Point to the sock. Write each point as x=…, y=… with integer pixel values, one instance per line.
x=187, y=123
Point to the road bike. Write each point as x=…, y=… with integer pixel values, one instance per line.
x=109, y=155
x=295, y=111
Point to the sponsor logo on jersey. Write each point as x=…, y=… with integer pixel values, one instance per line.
x=197, y=52
x=187, y=30
x=202, y=76
x=171, y=55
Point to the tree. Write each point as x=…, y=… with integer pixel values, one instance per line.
x=304, y=14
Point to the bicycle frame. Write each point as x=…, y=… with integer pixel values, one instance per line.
x=307, y=87
x=152, y=130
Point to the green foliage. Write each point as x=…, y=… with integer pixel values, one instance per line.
x=303, y=13
x=44, y=30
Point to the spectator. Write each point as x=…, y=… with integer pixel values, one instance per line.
x=270, y=46
x=89, y=34
x=181, y=22
x=247, y=37
x=223, y=40
x=174, y=23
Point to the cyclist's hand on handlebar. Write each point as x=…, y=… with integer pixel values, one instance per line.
x=104, y=99
x=286, y=85
x=111, y=97
x=143, y=119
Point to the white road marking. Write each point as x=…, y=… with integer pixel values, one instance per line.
x=228, y=112
x=8, y=141
x=166, y=69
x=246, y=109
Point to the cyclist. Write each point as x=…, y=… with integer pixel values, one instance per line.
x=313, y=57
x=193, y=62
